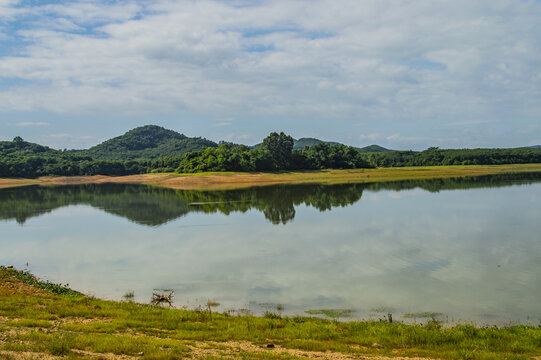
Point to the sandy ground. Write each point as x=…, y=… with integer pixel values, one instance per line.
x=208, y=181
x=190, y=182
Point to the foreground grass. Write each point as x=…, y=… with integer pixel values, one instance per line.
x=37, y=322
x=232, y=180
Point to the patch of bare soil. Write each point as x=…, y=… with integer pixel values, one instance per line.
x=207, y=181
x=6, y=183
x=20, y=355
x=231, y=348
x=16, y=355
x=105, y=356
x=10, y=286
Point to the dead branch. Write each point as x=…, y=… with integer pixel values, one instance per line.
x=158, y=299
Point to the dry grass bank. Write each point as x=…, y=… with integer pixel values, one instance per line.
x=229, y=180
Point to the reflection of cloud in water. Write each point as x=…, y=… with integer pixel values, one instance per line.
x=434, y=252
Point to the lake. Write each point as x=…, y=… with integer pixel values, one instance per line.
x=460, y=250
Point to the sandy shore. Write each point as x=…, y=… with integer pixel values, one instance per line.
x=240, y=180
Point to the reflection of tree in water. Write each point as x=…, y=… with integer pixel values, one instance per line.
x=144, y=205
x=154, y=206
x=276, y=202
x=467, y=182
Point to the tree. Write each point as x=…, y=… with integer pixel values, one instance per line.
x=280, y=147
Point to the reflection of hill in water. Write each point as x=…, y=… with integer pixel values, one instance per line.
x=142, y=204
x=154, y=206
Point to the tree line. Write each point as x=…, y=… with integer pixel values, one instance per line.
x=274, y=154
x=19, y=158
x=436, y=157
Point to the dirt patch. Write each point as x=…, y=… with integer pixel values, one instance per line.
x=16, y=355
x=214, y=181
x=172, y=181
x=231, y=348
x=105, y=356
x=79, y=320
x=11, y=286
x=6, y=183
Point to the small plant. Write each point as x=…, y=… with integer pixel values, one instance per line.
x=433, y=316
x=210, y=305
x=128, y=296
x=60, y=344
x=244, y=312
x=272, y=310
x=334, y=314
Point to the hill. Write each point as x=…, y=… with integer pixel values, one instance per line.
x=302, y=142
x=147, y=142
x=19, y=147
x=373, y=148
x=535, y=147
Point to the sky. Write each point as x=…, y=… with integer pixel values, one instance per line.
x=401, y=74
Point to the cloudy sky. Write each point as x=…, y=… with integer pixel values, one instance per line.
x=402, y=74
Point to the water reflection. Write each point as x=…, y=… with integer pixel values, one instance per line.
x=409, y=248
x=152, y=206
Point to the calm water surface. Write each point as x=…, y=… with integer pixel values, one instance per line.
x=469, y=249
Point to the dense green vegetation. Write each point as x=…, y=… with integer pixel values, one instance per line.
x=147, y=142
x=275, y=153
x=27, y=278
x=299, y=144
x=151, y=148
x=77, y=326
x=19, y=158
x=436, y=157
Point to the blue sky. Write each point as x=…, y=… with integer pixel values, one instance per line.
x=405, y=75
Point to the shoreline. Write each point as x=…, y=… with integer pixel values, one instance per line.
x=51, y=321
x=231, y=180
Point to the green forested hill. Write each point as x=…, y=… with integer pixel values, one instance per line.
x=147, y=142
x=19, y=147
x=373, y=148
x=302, y=142
x=155, y=149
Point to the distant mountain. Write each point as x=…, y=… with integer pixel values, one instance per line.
x=147, y=142
x=535, y=147
x=19, y=147
x=373, y=148
x=302, y=142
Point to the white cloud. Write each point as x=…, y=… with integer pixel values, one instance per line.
x=65, y=140
x=468, y=122
x=31, y=123
x=443, y=62
x=225, y=123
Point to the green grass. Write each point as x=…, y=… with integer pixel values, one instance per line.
x=28, y=278
x=62, y=324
